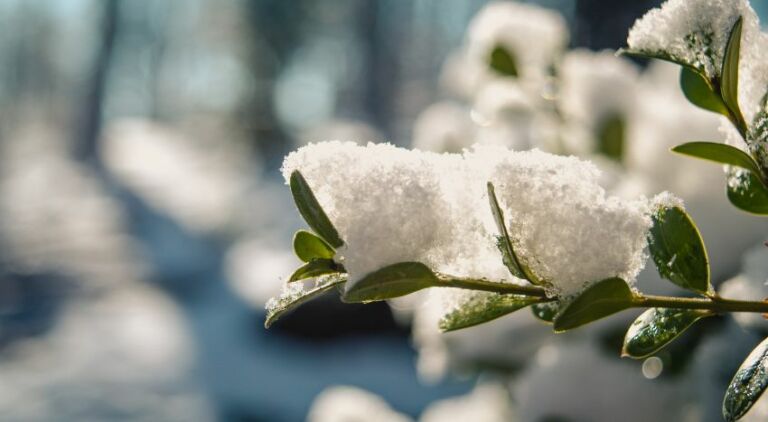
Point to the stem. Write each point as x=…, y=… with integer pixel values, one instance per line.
x=494, y=286
x=717, y=305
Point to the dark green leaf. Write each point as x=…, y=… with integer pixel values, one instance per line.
x=729, y=86
x=314, y=268
x=307, y=247
x=391, y=281
x=604, y=298
x=503, y=62
x=516, y=267
x=546, y=311
x=479, y=307
x=610, y=137
x=678, y=250
x=657, y=327
x=719, y=153
x=295, y=296
x=699, y=91
x=311, y=210
x=748, y=384
x=746, y=192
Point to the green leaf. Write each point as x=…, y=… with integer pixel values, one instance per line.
x=295, y=295
x=307, y=247
x=657, y=327
x=719, y=153
x=516, y=267
x=700, y=92
x=391, y=281
x=311, y=210
x=658, y=55
x=729, y=86
x=678, y=250
x=546, y=311
x=604, y=298
x=314, y=268
x=478, y=307
x=746, y=192
x=502, y=61
x=610, y=138
x=748, y=384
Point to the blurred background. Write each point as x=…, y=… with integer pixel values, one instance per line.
x=144, y=223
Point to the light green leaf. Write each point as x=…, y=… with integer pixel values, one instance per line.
x=511, y=260
x=295, y=295
x=314, y=268
x=502, y=61
x=311, y=210
x=700, y=92
x=719, y=153
x=307, y=247
x=748, y=384
x=478, y=307
x=657, y=327
x=678, y=250
x=610, y=137
x=729, y=85
x=391, y=281
x=746, y=192
x=604, y=298
x=546, y=311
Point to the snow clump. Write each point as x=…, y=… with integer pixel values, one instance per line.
x=393, y=205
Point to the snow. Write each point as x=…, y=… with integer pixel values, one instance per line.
x=595, y=87
x=533, y=35
x=348, y=403
x=392, y=205
x=694, y=32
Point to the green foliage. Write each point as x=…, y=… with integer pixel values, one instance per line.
x=546, y=311
x=610, y=137
x=311, y=210
x=512, y=261
x=700, y=92
x=719, y=153
x=604, y=298
x=729, y=85
x=658, y=55
x=314, y=268
x=746, y=192
x=391, y=281
x=283, y=304
x=678, y=250
x=307, y=247
x=657, y=327
x=748, y=384
x=502, y=61
x=479, y=307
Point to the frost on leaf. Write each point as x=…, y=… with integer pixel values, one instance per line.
x=295, y=294
x=473, y=308
x=693, y=33
x=748, y=384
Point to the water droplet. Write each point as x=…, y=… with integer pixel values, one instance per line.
x=652, y=367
